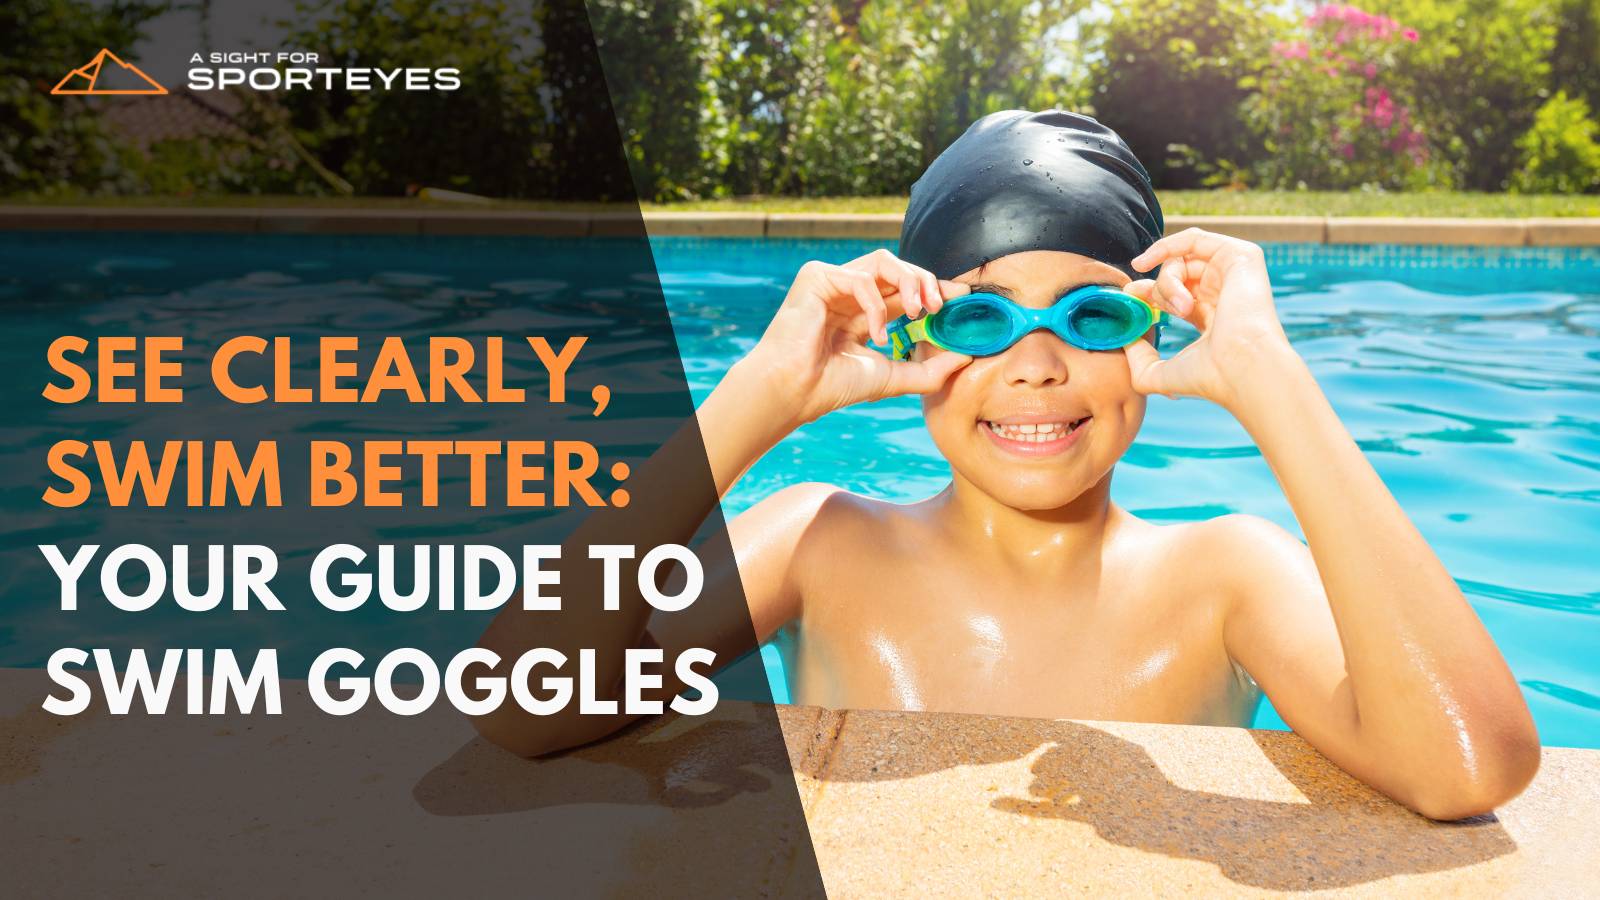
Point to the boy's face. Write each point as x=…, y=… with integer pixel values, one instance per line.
x=1081, y=404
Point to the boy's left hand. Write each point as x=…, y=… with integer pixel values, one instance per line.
x=1218, y=284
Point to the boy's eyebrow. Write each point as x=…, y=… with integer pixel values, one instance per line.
x=985, y=287
x=1063, y=291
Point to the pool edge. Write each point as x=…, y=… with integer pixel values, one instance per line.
x=1535, y=232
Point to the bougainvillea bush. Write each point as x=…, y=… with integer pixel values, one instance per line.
x=1330, y=112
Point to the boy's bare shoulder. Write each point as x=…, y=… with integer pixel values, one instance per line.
x=820, y=517
x=815, y=502
x=1241, y=553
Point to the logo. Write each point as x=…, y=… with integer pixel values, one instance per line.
x=96, y=79
x=291, y=70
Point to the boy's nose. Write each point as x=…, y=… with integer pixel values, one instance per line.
x=1038, y=360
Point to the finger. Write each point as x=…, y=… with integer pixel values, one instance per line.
x=927, y=285
x=910, y=293
x=1147, y=290
x=889, y=271
x=949, y=290
x=1146, y=369
x=931, y=300
x=865, y=289
x=1151, y=292
x=925, y=376
x=1170, y=283
x=1188, y=242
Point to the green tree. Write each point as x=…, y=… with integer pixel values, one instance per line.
x=491, y=136
x=854, y=124
x=1575, y=59
x=765, y=65
x=988, y=55
x=56, y=144
x=1170, y=76
x=901, y=80
x=660, y=61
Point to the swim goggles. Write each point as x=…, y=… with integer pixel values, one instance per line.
x=1093, y=317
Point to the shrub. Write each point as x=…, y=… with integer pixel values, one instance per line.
x=1560, y=154
x=1575, y=58
x=51, y=145
x=1476, y=77
x=659, y=58
x=1328, y=110
x=765, y=64
x=1171, y=77
x=481, y=138
x=899, y=80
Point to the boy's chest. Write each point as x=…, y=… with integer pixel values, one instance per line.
x=942, y=644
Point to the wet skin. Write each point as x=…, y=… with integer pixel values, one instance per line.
x=1019, y=589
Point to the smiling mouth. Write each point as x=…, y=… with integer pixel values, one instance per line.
x=1035, y=439
x=1036, y=432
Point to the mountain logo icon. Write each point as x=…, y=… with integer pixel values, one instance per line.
x=107, y=76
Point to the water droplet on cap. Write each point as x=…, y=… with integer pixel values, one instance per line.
x=1027, y=162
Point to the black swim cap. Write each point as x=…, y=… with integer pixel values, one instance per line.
x=1020, y=180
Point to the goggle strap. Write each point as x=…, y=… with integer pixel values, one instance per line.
x=902, y=338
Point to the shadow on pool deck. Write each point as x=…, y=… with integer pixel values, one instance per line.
x=1344, y=834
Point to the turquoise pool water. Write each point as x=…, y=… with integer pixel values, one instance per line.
x=1470, y=377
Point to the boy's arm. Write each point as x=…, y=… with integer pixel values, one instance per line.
x=1365, y=643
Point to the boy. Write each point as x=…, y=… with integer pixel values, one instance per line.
x=1021, y=589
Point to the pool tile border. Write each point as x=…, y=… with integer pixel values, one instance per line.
x=1449, y=232
x=1538, y=232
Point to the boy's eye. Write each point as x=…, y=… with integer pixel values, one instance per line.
x=976, y=323
x=1102, y=321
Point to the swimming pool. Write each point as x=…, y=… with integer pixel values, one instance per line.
x=1470, y=377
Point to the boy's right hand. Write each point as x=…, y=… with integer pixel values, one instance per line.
x=815, y=354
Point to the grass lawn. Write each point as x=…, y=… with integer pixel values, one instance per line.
x=1175, y=203
x=1241, y=203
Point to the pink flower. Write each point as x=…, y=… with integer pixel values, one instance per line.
x=1370, y=70
x=1292, y=49
x=1348, y=151
x=1410, y=34
x=1354, y=23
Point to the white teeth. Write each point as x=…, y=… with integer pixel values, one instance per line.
x=1034, y=433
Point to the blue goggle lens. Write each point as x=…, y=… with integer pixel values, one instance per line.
x=971, y=326
x=1106, y=321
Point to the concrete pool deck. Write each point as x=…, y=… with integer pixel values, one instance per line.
x=1555, y=232
x=896, y=803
